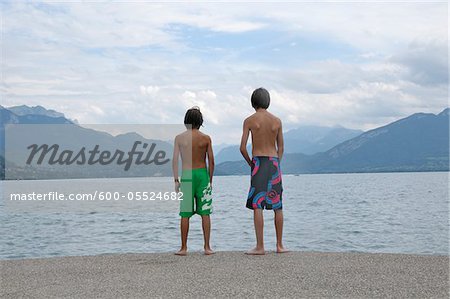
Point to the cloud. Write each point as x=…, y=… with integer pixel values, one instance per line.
x=189, y=95
x=426, y=63
x=357, y=65
x=149, y=90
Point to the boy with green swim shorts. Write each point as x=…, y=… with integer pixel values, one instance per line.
x=194, y=147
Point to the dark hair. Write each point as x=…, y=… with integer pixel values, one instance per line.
x=260, y=98
x=194, y=118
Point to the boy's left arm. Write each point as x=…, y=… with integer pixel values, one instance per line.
x=176, y=154
x=210, y=160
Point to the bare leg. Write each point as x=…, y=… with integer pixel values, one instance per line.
x=184, y=226
x=279, y=230
x=206, y=225
x=259, y=231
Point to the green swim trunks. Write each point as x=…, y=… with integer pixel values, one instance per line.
x=197, y=193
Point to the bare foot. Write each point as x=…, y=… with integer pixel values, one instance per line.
x=256, y=251
x=281, y=249
x=209, y=251
x=182, y=252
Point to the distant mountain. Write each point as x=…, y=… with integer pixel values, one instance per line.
x=291, y=163
x=230, y=153
x=72, y=137
x=313, y=139
x=419, y=142
x=7, y=116
x=218, y=147
x=36, y=110
x=305, y=139
x=2, y=168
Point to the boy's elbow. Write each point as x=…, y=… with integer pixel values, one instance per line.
x=242, y=149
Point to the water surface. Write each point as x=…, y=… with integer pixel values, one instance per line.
x=379, y=212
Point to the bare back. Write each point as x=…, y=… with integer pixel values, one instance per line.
x=196, y=143
x=265, y=129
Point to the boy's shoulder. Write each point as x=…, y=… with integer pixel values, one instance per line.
x=274, y=118
x=180, y=135
x=183, y=136
x=277, y=119
x=254, y=117
x=250, y=117
x=270, y=114
x=203, y=135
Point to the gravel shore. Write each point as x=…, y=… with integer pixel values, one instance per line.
x=228, y=274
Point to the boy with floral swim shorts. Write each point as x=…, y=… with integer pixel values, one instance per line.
x=267, y=150
x=196, y=178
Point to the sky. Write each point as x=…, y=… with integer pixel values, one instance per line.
x=355, y=64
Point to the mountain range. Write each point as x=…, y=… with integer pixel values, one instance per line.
x=306, y=140
x=70, y=136
x=24, y=110
x=419, y=142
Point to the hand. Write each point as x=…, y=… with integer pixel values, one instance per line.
x=177, y=187
x=251, y=164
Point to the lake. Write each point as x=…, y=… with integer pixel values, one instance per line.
x=376, y=212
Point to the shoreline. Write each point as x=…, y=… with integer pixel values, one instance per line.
x=228, y=274
x=268, y=252
x=231, y=175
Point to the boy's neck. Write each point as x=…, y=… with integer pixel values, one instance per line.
x=260, y=110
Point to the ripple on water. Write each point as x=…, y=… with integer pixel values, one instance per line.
x=400, y=213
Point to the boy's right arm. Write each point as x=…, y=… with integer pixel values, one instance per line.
x=280, y=142
x=176, y=154
x=244, y=139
